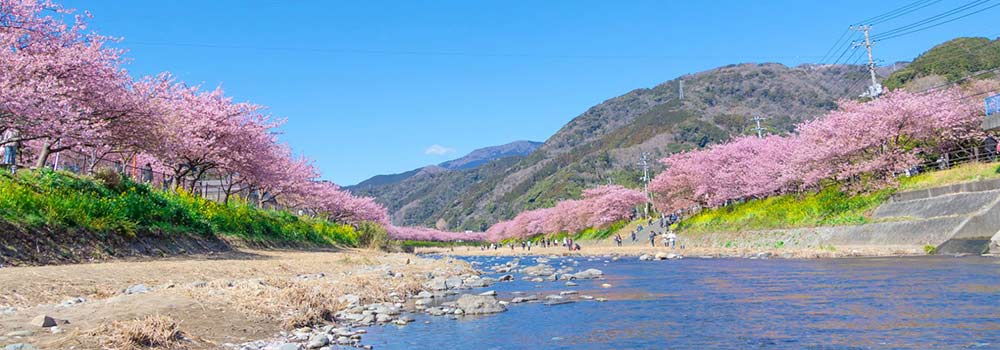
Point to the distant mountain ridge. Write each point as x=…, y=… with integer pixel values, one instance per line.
x=483, y=155
x=474, y=159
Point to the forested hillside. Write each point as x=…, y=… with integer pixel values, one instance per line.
x=604, y=143
x=947, y=63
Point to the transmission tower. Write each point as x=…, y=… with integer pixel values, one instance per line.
x=644, y=162
x=758, y=128
x=875, y=89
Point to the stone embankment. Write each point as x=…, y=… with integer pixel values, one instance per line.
x=961, y=218
x=956, y=219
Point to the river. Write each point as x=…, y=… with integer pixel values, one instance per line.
x=858, y=303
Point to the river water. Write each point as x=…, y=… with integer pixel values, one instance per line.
x=864, y=303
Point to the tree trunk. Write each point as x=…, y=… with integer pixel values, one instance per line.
x=43, y=155
x=194, y=181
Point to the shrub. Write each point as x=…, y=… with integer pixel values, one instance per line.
x=108, y=177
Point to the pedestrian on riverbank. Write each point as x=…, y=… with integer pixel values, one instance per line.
x=11, y=143
x=633, y=237
x=577, y=246
x=529, y=246
x=618, y=239
x=652, y=238
x=672, y=238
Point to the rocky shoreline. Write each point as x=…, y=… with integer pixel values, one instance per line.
x=445, y=296
x=607, y=248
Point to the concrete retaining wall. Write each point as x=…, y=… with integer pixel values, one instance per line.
x=944, y=205
x=976, y=186
x=961, y=218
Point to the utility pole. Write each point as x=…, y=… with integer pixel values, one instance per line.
x=758, y=128
x=875, y=89
x=643, y=161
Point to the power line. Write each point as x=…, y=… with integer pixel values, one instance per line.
x=873, y=21
x=937, y=24
x=847, y=48
x=890, y=13
x=835, y=45
x=907, y=28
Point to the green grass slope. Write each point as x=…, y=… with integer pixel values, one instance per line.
x=829, y=207
x=62, y=201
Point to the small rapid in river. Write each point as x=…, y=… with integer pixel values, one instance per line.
x=858, y=303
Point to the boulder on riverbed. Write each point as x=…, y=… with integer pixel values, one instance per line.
x=586, y=274
x=43, y=321
x=539, y=270
x=479, y=304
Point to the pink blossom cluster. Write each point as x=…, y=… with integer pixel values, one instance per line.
x=861, y=143
x=599, y=207
x=429, y=234
x=63, y=90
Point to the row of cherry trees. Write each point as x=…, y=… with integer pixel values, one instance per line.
x=63, y=89
x=429, y=234
x=599, y=207
x=862, y=145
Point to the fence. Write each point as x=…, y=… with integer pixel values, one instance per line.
x=212, y=186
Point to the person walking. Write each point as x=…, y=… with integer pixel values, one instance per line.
x=11, y=144
x=652, y=238
x=618, y=239
x=633, y=237
x=991, y=146
x=672, y=238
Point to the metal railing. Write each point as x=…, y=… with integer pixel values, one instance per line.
x=212, y=186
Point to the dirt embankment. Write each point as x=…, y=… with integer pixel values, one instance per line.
x=232, y=297
x=21, y=246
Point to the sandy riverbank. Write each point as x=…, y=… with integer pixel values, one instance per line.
x=607, y=247
x=214, y=299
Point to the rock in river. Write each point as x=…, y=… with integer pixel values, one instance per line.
x=479, y=304
x=587, y=274
x=539, y=270
x=318, y=341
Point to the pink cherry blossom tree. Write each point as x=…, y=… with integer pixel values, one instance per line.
x=599, y=207
x=861, y=145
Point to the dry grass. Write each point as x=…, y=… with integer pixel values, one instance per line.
x=302, y=302
x=245, y=296
x=150, y=332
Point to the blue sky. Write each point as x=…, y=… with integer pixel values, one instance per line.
x=374, y=87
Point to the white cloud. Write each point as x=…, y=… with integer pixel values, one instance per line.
x=438, y=150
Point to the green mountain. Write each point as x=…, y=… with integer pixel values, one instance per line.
x=948, y=62
x=605, y=142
